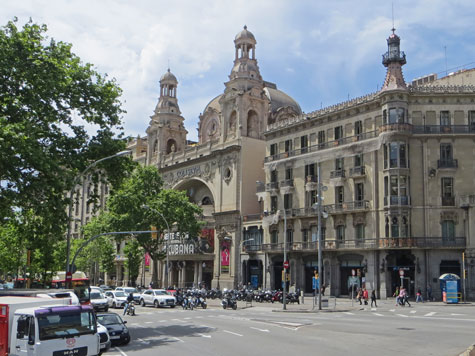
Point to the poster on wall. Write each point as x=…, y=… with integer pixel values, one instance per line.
x=147, y=262
x=225, y=257
x=206, y=241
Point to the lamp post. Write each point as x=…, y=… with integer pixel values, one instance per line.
x=166, y=241
x=284, y=285
x=240, y=262
x=71, y=196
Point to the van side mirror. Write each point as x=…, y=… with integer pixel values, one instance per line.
x=125, y=321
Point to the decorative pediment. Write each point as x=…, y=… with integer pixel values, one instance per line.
x=449, y=215
x=359, y=219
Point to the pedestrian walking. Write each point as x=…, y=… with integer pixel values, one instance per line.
x=396, y=294
x=429, y=293
x=419, y=296
x=365, y=296
x=359, y=295
x=373, y=299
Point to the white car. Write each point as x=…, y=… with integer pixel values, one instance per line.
x=116, y=299
x=99, y=301
x=157, y=298
x=128, y=290
x=104, y=337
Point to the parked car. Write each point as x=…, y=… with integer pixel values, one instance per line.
x=60, y=295
x=157, y=298
x=116, y=299
x=105, y=342
x=105, y=288
x=99, y=301
x=118, y=332
x=128, y=290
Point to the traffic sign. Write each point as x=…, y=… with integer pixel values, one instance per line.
x=401, y=272
x=286, y=264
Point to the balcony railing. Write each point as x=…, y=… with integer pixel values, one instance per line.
x=272, y=186
x=252, y=248
x=448, y=201
x=252, y=217
x=402, y=200
x=382, y=243
x=447, y=163
x=401, y=127
x=322, y=146
x=339, y=173
x=347, y=206
x=287, y=183
x=357, y=171
x=312, y=179
x=443, y=129
x=260, y=187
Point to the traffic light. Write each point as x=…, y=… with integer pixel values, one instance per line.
x=154, y=232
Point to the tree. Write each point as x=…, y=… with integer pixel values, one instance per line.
x=12, y=252
x=134, y=254
x=127, y=211
x=47, y=96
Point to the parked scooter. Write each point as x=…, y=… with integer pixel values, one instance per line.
x=229, y=301
x=200, y=301
x=187, y=301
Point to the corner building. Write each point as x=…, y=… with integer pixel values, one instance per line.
x=397, y=169
x=218, y=172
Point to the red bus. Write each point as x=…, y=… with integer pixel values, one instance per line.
x=79, y=283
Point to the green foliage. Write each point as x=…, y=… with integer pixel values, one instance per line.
x=134, y=254
x=12, y=252
x=47, y=97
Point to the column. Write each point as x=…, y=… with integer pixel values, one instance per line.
x=200, y=271
x=195, y=274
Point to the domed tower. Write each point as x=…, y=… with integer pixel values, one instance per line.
x=166, y=132
x=394, y=59
x=245, y=63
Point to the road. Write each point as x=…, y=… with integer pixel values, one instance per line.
x=424, y=329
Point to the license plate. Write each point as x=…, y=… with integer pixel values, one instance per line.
x=80, y=351
x=103, y=345
x=115, y=337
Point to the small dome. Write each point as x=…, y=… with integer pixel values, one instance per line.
x=245, y=36
x=168, y=77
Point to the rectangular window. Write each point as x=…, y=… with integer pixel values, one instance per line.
x=393, y=153
x=393, y=116
x=290, y=236
x=313, y=197
x=303, y=144
x=447, y=187
x=444, y=118
x=338, y=132
x=287, y=201
x=311, y=172
x=448, y=229
x=274, y=176
x=289, y=174
x=339, y=164
x=359, y=160
x=288, y=145
x=340, y=233
x=385, y=117
x=274, y=237
x=402, y=155
x=304, y=235
x=273, y=204
x=446, y=152
x=339, y=195
x=358, y=128
x=394, y=227
x=314, y=233
x=88, y=208
x=359, y=231
x=471, y=120
x=359, y=192
x=385, y=149
x=400, y=115
x=273, y=149
x=321, y=137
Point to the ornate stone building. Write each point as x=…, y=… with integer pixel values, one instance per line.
x=397, y=168
x=218, y=172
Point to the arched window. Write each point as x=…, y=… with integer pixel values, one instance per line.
x=206, y=201
x=252, y=124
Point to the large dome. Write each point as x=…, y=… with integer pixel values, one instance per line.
x=278, y=99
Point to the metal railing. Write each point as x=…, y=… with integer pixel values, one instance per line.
x=403, y=200
x=347, y=206
x=272, y=186
x=286, y=183
x=448, y=201
x=447, y=163
x=339, y=173
x=443, y=129
x=357, y=171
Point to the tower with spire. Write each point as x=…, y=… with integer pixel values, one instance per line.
x=393, y=60
x=166, y=132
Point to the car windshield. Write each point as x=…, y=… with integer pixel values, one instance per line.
x=160, y=292
x=119, y=294
x=65, y=325
x=96, y=295
x=130, y=290
x=109, y=319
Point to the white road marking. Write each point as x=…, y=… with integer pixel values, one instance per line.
x=430, y=314
x=230, y=332
x=187, y=318
x=288, y=323
x=203, y=335
x=138, y=325
x=143, y=341
x=456, y=314
x=392, y=310
x=182, y=321
x=403, y=315
x=149, y=322
x=177, y=339
x=378, y=314
x=121, y=352
x=162, y=321
x=374, y=309
x=413, y=311
x=263, y=330
x=348, y=313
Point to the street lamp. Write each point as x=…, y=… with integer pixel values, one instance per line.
x=240, y=262
x=166, y=240
x=71, y=196
x=284, y=284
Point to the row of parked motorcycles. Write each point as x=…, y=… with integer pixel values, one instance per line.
x=260, y=296
x=191, y=299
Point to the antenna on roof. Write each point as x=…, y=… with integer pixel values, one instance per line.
x=392, y=13
x=168, y=64
x=445, y=50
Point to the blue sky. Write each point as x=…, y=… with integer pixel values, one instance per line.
x=318, y=52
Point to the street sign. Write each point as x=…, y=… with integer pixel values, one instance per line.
x=286, y=264
x=401, y=272
x=69, y=276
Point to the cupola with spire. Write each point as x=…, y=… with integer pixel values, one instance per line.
x=245, y=63
x=394, y=59
x=168, y=102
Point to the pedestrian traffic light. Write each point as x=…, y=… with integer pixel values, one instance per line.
x=154, y=232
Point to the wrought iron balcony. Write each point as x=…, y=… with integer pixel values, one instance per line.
x=339, y=173
x=272, y=186
x=252, y=248
x=448, y=201
x=400, y=127
x=395, y=200
x=260, y=187
x=286, y=183
x=443, y=129
x=447, y=163
x=350, y=206
x=357, y=171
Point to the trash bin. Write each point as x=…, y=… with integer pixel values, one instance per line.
x=450, y=288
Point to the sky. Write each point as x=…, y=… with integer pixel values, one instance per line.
x=319, y=52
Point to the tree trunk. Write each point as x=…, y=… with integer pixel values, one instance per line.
x=155, y=271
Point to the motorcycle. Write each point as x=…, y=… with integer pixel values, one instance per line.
x=229, y=301
x=187, y=302
x=199, y=301
x=131, y=309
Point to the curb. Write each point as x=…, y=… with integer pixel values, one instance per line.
x=469, y=352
